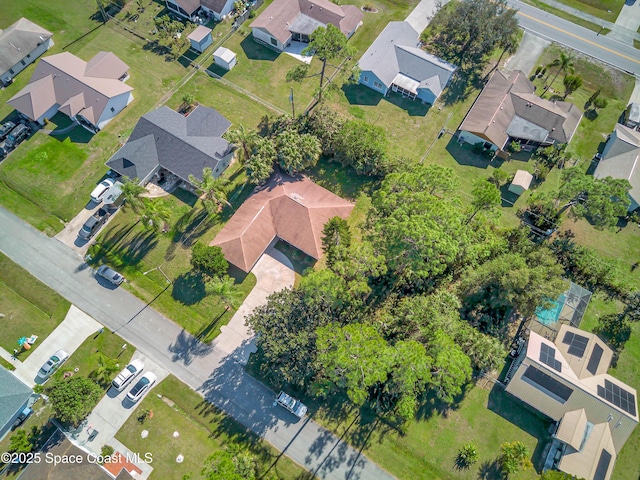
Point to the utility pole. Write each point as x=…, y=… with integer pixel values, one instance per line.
x=102, y=11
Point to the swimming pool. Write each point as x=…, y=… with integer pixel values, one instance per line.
x=549, y=316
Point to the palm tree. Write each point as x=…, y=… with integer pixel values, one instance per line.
x=106, y=367
x=155, y=214
x=571, y=84
x=245, y=140
x=564, y=63
x=224, y=287
x=131, y=190
x=215, y=192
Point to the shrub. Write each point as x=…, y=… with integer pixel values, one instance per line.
x=208, y=260
x=467, y=455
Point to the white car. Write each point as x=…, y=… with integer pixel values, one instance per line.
x=101, y=190
x=140, y=388
x=295, y=406
x=54, y=362
x=130, y=372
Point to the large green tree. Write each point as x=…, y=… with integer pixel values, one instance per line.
x=214, y=190
x=486, y=198
x=131, y=192
x=244, y=139
x=335, y=234
x=601, y=200
x=208, y=260
x=73, y=399
x=297, y=152
x=362, y=146
x=259, y=165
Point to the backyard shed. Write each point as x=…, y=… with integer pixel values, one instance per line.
x=520, y=182
x=224, y=58
x=200, y=38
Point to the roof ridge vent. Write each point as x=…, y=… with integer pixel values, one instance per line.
x=296, y=197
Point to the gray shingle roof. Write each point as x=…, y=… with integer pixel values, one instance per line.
x=395, y=51
x=183, y=145
x=18, y=40
x=13, y=395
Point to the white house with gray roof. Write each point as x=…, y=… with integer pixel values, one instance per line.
x=395, y=62
x=166, y=142
x=14, y=397
x=621, y=159
x=20, y=45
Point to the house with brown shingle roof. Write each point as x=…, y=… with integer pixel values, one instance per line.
x=293, y=209
x=20, y=45
x=285, y=21
x=508, y=109
x=90, y=93
x=565, y=378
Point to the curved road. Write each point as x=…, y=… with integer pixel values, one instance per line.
x=213, y=371
x=608, y=50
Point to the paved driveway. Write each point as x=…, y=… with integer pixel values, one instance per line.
x=217, y=376
x=69, y=235
x=420, y=16
x=73, y=330
x=527, y=55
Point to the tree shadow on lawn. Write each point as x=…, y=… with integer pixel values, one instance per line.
x=463, y=83
x=117, y=249
x=189, y=288
x=517, y=413
x=255, y=51
x=465, y=155
x=490, y=470
x=360, y=95
x=188, y=229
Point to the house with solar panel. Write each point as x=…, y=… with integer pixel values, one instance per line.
x=565, y=378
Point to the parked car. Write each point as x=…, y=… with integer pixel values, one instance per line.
x=3, y=153
x=110, y=275
x=294, y=406
x=5, y=129
x=24, y=414
x=16, y=136
x=101, y=190
x=130, y=372
x=93, y=224
x=54, y=362
x=140, y=388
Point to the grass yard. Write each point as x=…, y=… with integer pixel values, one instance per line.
x=203, y=430
x=605, y=9
x=29, y=307
x=134, y=250
x=558, y=12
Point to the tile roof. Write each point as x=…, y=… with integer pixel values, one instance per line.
x=281, y=16
x=18, y=40
x=183, y=145
x=508, y=106
x=292, y=208
x=70, y=82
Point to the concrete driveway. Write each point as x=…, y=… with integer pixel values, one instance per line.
x=69, y=235
x=112, y=412
x=68, y=336
x=273, y=272
x=527, y=54
x=420, y=16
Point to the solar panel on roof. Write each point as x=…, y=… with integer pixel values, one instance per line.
x=548, y=357
x=578, y=345
x=620, y=398
x=603, y=465
x=568, y=338
x=548, y=383
x=594, y=361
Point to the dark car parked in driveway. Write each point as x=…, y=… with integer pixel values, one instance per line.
x=93, y=224
x=16, y=136
x=5, y=129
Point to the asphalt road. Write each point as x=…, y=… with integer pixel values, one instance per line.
x=546, y=25
x=214, y=374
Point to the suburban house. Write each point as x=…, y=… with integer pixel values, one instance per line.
x=285, y=21
x=395, y=62
x=508, y=110
x=20, y=45
x=14, y=397
x=90, y=93
x=293, y=209
x=565, y=378
x=166, y=146
x=621, y=159
x=190, y=9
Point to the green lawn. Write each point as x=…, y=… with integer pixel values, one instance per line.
x=134, y=250
x=29, y=307
x=203, y=430
x=605, y=9
x=570, y=17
